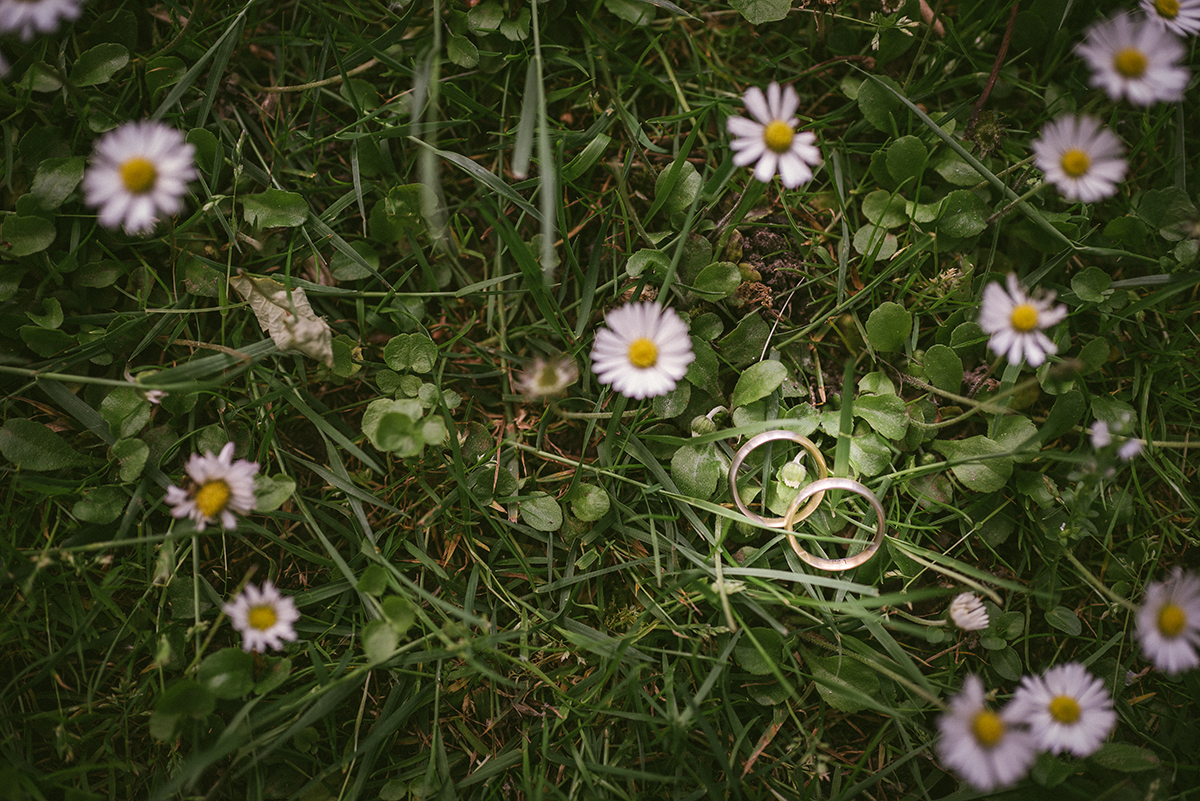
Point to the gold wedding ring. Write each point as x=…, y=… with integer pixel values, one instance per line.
x=817, y=489
x=773, y=436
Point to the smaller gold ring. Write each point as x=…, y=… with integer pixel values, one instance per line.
x=817, y=489
x=761, y=439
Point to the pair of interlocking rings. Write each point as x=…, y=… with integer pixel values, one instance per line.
x=814, y=493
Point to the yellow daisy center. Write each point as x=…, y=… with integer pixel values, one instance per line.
x=1024, y=318
x=1167, y=8
x=1064, y=709
x=138, y=175
x=643, y=353
x=778, y=136
x=988, y=729
x=1172, y=620
x=1075, y=163
x=1130, y=62
x=212, y=498
x=262, y=617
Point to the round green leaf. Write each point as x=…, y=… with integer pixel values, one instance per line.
x=695, y=470
x=1091, y=284
x=414, y=352
x=944, y=368
x=683, y=192
x=399, y=613
x=126, y=411
x=874, y=241
x=132, y=455
x=654, y=260
x=758, y=381
x=963, y=214
x=877, y=103
x=102, y=505
x=1063, y=619
x=1007, y=663
x=33, y=446
x=988, y=475
x=889, y=327
x=164, y=71
x=56, y=179
x=884, y=209
x=229, y=673
x=275, y=208
x=462, y=51
x=887, y=414
x=26, y=235
x=99, y=64
x=718, y=280
x=379, y=640
x=759, y=659
x=1125, y=757
x=540, y=511
x=590, y=502
x=374, y=580
x=906, y=158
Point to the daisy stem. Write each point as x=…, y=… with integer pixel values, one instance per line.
x=1096, y=583
x=997, y=215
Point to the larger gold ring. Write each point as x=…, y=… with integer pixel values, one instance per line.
x=762, y=439
x=817, y=489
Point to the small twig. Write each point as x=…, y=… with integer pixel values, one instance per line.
x=227, y=351
x=991, y=81
x=304, y=87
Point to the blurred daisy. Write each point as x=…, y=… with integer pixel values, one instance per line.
x=264, y=617
x=220, y=487
x=644, y=350
x=1135, y=58
x=1180, y=16
x=548, y=377
x=967, y=612
x=1129, y=449
x=1081, y=158
x=28, y=17
x=1016, y=320
x=138, y=173
x=987, y=749
x=1101, y=438
x=770, y=139
x=1168, y=623
x=1067, y=709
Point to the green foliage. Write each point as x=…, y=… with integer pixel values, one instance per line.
x=502, y=594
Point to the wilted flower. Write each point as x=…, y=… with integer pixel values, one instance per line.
x=968, y=613
x=546, y=378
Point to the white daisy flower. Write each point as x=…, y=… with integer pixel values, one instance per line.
x=1067, y=709
x=138, y=173
x=220, y=487
x=644, y=350
x=1016, y=320
x=1135, y=58
x=771, y=139
x=1130, y=449
x=1169, y=622
x=548, y=377
x=1082, y=159
x=1180, y=16
x=968, y=613
x=28, y=17
x=264, y=617
x=987, y=749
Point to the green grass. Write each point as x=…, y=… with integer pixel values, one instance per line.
x=472, y=626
